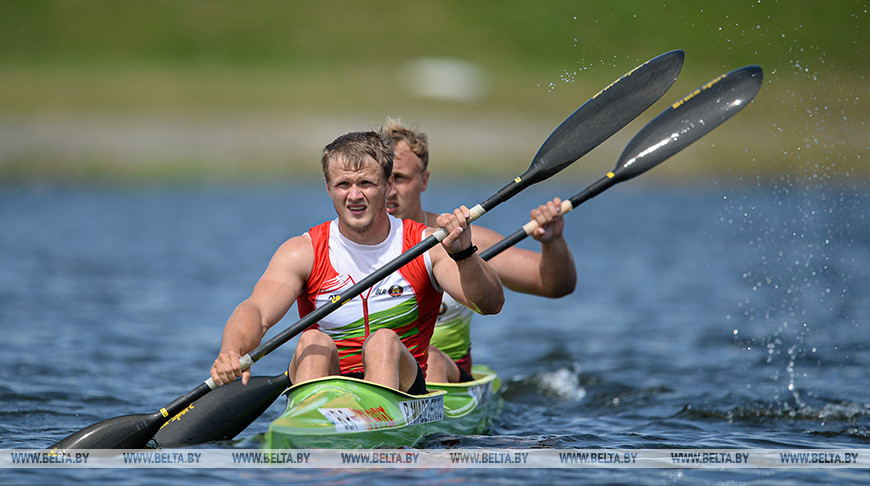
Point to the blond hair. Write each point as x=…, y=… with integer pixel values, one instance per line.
x=417, y=140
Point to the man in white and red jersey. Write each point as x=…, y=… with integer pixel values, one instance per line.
x=382, y=335
x=549, y=273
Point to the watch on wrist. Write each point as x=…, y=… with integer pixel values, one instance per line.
x=462, y=255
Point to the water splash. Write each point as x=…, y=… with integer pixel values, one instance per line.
x=561, y=383
x=803, y=253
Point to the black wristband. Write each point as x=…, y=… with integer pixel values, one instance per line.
x=462, y=255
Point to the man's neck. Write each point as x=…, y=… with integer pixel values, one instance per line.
x=378, y=232
x=423, y=216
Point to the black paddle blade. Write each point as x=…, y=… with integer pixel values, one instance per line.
x=673, y=130
x=125, y=432
x=223, y=413
x=129, y=431
x=687, y=120
x=596, y=120
x=606, y=113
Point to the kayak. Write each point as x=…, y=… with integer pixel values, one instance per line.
x=337, y=412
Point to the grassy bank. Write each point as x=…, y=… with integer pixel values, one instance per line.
x=125, y=90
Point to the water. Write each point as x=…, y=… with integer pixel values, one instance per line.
x=725, y=316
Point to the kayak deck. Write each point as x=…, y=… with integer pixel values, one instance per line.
x=347, y=413
x=470, y=406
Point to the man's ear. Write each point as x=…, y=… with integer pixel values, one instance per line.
x=425, y=178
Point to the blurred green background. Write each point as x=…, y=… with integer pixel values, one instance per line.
x=130, y=91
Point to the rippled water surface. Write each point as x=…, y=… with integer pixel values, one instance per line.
x=718, y=317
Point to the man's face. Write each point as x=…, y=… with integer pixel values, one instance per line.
x=359, y=196
x=409, y=180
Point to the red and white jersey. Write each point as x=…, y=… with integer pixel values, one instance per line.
x=406, y=301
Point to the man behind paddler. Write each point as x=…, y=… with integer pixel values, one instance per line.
x=548, y=273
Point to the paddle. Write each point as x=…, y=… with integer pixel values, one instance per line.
x=596, y=120
x=222, y=414
x=674, y=129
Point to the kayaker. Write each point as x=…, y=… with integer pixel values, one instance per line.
x=550, y=273
x=382, y=335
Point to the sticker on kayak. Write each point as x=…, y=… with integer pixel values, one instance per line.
x=354, y=420
x=423, y=411
x=480, y=393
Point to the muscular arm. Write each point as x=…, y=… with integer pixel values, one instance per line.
x=272, y=297
x=550, y=273
x=471, y=281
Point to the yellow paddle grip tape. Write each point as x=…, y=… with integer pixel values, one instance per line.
x=610, y=175
x=164, y=412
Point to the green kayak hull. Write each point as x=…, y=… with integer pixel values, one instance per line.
x=346, y=413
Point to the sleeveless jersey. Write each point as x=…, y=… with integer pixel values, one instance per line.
x=406, y=301
x=453, y=331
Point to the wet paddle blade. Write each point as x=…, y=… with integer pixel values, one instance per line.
x=125, y=432
x=606, y=113
x=129, y=431
x=674, y=129
x=223, y=413
x=595, y=121
x=689, y=119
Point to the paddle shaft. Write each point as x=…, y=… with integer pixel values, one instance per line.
x=296, y=328
x=354, y=291
x=567, y=206
x=312, y=318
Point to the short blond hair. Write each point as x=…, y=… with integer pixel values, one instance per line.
x=417, y=140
